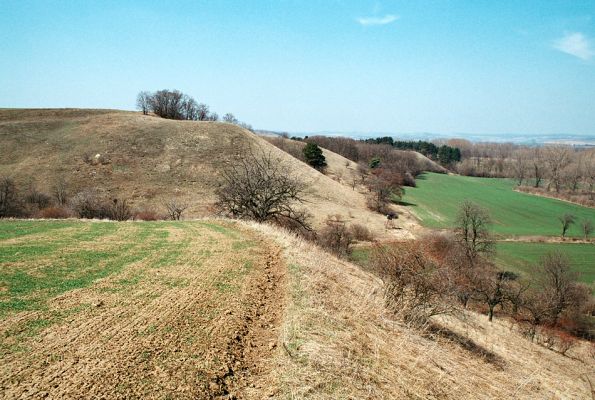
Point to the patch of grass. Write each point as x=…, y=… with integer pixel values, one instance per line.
x=221, y=229
x=18, y=228
x=437, y=197
x=519, y=257
x=243, y=244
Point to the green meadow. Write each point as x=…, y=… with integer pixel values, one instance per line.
x=437, y=197
x=520, y=257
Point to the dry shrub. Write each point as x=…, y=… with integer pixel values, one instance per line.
x=87, y=204
x=555, y=339
x=416, y=287
x=119, y=210
x=147, y=215
x=335, y=236
x=296, y=227
x=55, y=213
x=361, y=233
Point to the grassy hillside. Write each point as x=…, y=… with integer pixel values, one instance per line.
x=150, y=160
x=519, y=256
x=436, y=199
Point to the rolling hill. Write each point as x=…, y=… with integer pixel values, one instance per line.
x=150, y=160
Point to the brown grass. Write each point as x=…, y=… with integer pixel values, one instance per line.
x=150, y=161
x=338, y=342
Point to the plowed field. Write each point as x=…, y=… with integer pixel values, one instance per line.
x=137, y=310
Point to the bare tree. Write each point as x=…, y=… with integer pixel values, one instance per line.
x=383, y=185
x=473, y=231
x=587, y=228
x=60, y=191
x=558, y=283
x=261, y=187
x=573, y=174
x=556, y=158
x=9, y=202
x=143, y=102
x=494, y=288
x=175, y=209
x=566, y=220
x=229, y=117
x=537, y=164
x=520, y=166
x=202, y=112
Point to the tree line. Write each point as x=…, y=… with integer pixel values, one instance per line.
x=173, y=104
x=444, y=154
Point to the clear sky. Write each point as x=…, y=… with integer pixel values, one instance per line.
x=477, y=66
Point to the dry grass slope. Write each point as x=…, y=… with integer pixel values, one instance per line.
x=338, y=342
x=150, y=160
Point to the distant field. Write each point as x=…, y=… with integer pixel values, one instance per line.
x=518, y=256
x=436, y=199
x=127, y=310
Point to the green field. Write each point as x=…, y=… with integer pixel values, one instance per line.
x=437, y=197
x=517, y=256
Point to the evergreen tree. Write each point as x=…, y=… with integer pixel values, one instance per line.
x=314, y=156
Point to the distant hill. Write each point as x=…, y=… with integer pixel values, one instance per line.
x=150, y=160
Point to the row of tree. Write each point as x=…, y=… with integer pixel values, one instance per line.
x=444, y=154
x=173, y=104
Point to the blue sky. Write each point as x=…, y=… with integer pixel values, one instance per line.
x=522, y=67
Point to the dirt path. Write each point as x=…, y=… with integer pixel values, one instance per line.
x=198, y=323
x=545, y=239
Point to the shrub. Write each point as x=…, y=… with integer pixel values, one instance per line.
x=86, y=204
x=361, y=233
x=120, y=210
x=335, y=236
x=37, y=198
x=415, y=287
x=55, y=213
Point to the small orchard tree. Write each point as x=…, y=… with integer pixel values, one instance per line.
x=566, y=221
x=473, y=231
x=261, y=187
x=587, y=228
x=313, y=155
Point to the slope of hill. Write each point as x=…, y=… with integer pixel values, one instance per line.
x=339, y=342
x=216, y=308
x=150, y=160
